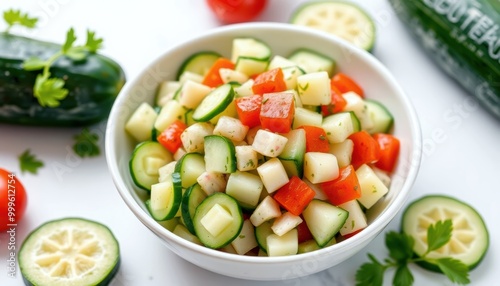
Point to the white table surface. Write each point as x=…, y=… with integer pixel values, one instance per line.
x=460, y=155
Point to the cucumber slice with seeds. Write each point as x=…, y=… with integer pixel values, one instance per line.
x=69, y=251
x=214, y=103
x=469, y=238
x=198, y=63
x=192, y=198
x=340, y=18
x=147, y=158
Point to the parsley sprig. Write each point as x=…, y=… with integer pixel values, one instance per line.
x=400, y=246
x=50, y=90
x=29, y=162
x=16, y=17
x=86, y=144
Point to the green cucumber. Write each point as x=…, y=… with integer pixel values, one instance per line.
x=190, y=167
x=469, y=238
x=198, y=63
x=340, y=18
x=93, y=85
x=69, y=251
x=191, y=199
x=165, y=198
x=220, y=154
x=147, y=158
x=463, y=38
x=214, y=103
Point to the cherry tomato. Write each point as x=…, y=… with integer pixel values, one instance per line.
x=13, y=199
x=236, y=11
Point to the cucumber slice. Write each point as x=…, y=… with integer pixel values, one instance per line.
x=206, y=219
x=147, y=158
x=192, y=198
x=311, y=61
x=250, y=48
x=214, y=103
x=324, y=220
x=220, y=154
x=469, y=239
x=381, y=118
x=340, y=18
x=262, y=232
x=165, y=198
x=190, y=167
x=198, y=63
x=69, y=251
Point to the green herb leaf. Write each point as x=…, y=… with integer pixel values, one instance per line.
x=370, y=274
x=438, y=234
x=70, y=39
x=86, y=144
x=33, y=64
x=403, y=276
x=15, y=17
x=454, y=269
x=400, y=245
x=29, y=163
x=93, y=43
x=49, y=91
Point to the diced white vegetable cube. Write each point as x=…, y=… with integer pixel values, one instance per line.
x=245, y=89
x=356, y=104
x=229, y=249
x=287, y=244
x=230, y=75
x=179, y=153
x=166, y=171
x=383, y=176
x=250, y=66
x=273, y=175
x=343, y=152
x=339, y=126
x=314, y=88
x=161, y=194
x=245, y=241
x=320, y=167
x=152, y=164
x=268, y=143
x=212, y=182
x=372, y=188
x=356, y=219
x=193, y=137
x=181, y=231
x=305, y=116
x=187, y=75
x=248, y=47
x=280, y=62
x=216, y=220
x=245, y=188
x=252, y=132
x=140, y=124
x=246, y=158
x=170, y=112
x=285, y=223
x=231, y=128
x=320, y=195
x=192, y=93
x=267, y=209
x=166, y=91
x=290, y=75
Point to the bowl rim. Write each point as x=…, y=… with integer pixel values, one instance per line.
x=374, y=228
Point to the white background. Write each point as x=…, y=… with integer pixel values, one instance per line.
x=460, y=158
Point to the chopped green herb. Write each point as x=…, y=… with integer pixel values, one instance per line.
x=86, y=144
x=15, y=17
x=305, y=87
x=29, y=163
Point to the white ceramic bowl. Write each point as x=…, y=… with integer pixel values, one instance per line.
x=377, y=82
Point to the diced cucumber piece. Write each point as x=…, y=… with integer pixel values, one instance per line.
x=381, y=118
x=220, y=154
x=198, y=63
x=311, y=61
x=69, y=251
x=372, y=188
x=290, y=75
x=140, y=124
x=245, y=188
x=245, y=241
x=182, y=231
x=292, y=156
x=214, y=103
x=166, y=91
x=340, y=125
x=262, y=232
x=250, y=48
x=469, y=240
x=147, y=158
x=192, y=198
x=356, y=104
x=190, y=167
x=212, y=212
x=169, y=113
x=324, y=220
x=287, y=244
x=165, y=198
x=250, y=66
x=356, y=219
x=304, y=116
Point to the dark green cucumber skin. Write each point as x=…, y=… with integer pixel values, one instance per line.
x=462, y=58
x=93, y=85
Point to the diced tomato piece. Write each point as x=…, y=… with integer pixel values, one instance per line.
x=294, y=196
x=389, y=151
x=337, y=104
x=344, y=83
x=365, y=149
x=248, y=109
x=212, y=78
x=170, y=138
x=303, y=232
x=316, y=140
x=349, y=235
x=343, y=189
x=269, y=81
x=276, y=113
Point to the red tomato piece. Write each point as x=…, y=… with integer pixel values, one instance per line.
x=276, y=113
x=389, y=151
x=212, y=78
x=236, y=11
x=269, y=81
x=248, y=109
x=337, y=104
x=170, y=138
x=316, y=140
x=343, y=189
x=365, y=150
x=13, y=199
x=349, y=235
x=303, y=232
x=344, y=83
x=294, y=196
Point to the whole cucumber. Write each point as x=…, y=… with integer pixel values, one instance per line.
x=93, y=85
x=463, y=37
